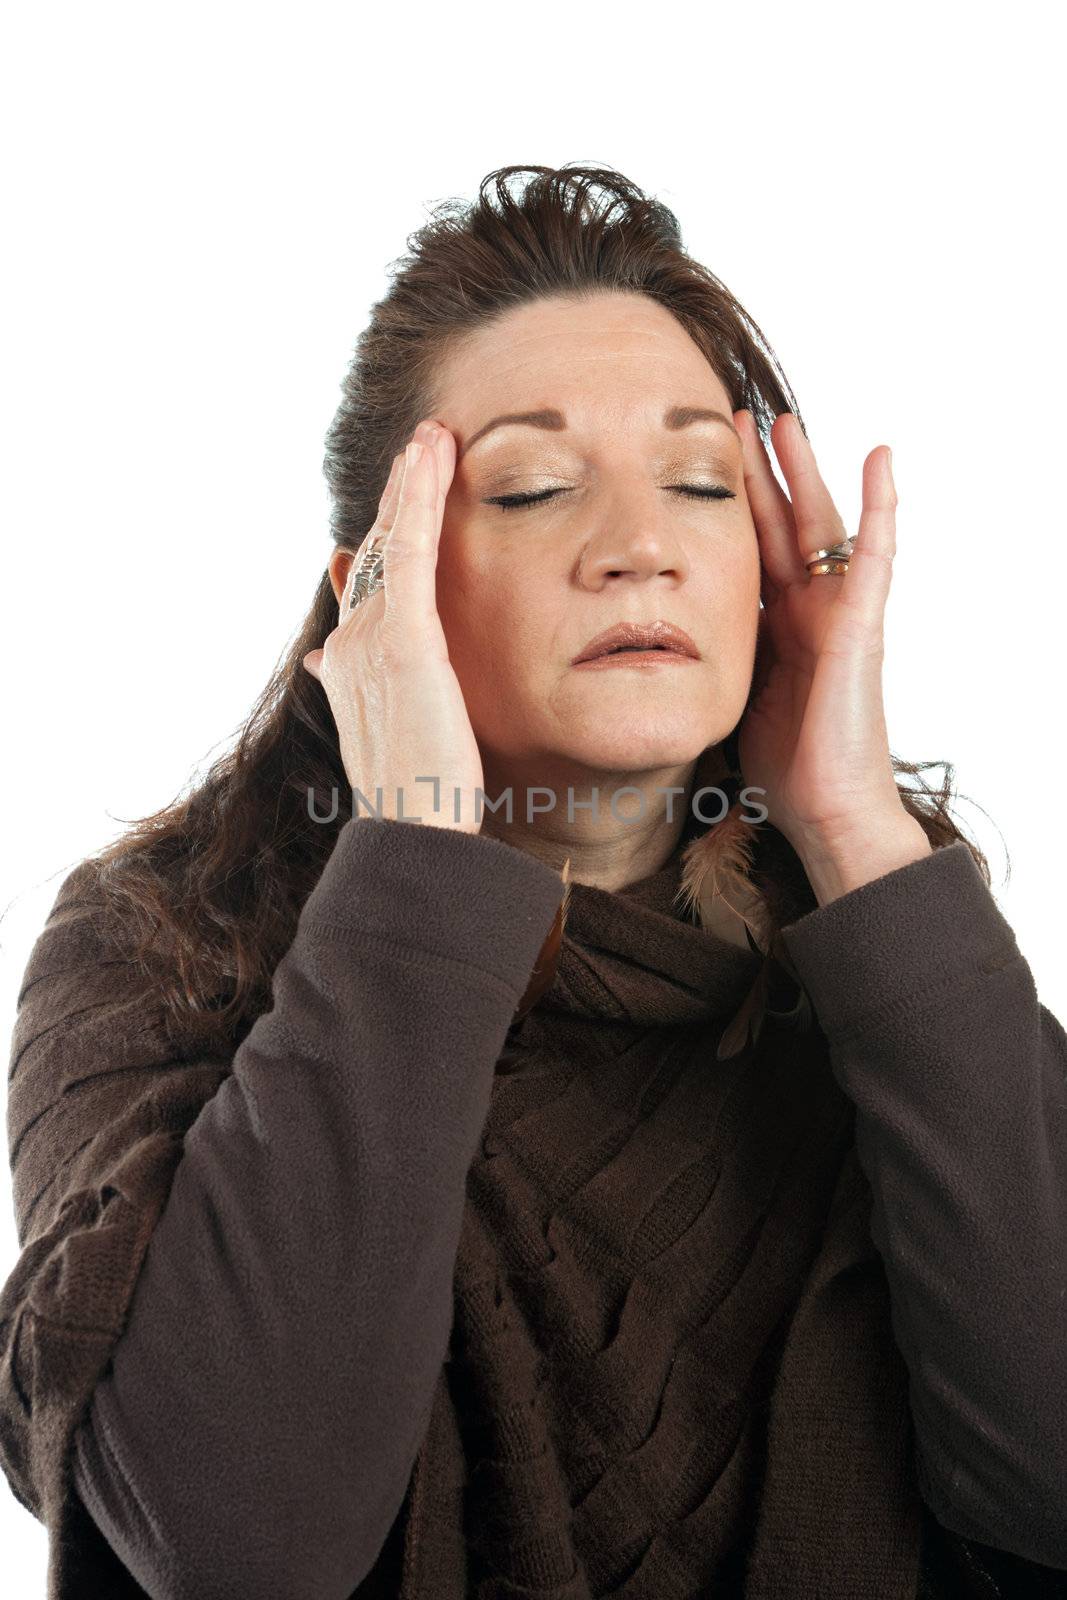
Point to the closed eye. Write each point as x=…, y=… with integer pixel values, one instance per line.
x=513, y=502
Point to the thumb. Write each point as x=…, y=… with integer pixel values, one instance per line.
x=313, y=661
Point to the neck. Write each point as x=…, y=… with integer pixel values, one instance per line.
x=609, y=847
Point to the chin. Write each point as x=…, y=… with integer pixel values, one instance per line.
x=629, y=750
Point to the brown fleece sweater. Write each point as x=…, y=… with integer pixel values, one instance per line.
x=399, y=1298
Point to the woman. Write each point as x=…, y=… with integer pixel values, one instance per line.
x=604, y=1195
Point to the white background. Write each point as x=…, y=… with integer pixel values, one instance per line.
x=200, y=206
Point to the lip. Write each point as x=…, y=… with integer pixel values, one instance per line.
x=662, y=638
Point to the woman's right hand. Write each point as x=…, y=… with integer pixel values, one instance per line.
x=400, y=713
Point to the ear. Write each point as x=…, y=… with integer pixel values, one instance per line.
x=340, y=562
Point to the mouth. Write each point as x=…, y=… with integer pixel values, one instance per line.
x=639, y=642
x=642, y=660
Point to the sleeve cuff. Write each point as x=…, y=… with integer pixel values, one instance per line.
x=898, y=939
x=463, y=896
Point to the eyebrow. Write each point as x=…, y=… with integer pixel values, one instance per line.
x=674, y=418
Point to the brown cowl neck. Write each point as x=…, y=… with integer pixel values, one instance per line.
x=671, y=1370
x=635, y=955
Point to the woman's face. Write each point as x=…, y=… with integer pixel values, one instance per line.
x=521, y=592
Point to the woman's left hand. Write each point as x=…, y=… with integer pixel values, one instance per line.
x=813, y=734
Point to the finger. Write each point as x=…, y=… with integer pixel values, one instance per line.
x=354, y=595
x=390, y=495
x=771, y=512
x=816, y=519
x=372, y=543
x=313, y=662
x=865, y=586
x=412, y=543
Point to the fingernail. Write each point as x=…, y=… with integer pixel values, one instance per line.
x=412, y=453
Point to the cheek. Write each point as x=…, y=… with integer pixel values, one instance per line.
x=481, y=615
x=486, y=600
x=460, y=589
x=732, y=583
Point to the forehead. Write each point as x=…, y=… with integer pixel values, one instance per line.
x=602, y=355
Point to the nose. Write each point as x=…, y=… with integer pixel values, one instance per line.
x=641, y=548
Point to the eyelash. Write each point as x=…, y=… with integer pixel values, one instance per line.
x=516, y=502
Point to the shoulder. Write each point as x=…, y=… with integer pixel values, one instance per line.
x=86, y=1013
x=76, y=963
x=94, y=1070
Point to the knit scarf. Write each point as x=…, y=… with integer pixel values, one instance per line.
x=671, y=1371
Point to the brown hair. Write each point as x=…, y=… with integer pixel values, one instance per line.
x=211, y=886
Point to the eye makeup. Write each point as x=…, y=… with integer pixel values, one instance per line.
x=514, y=485
x=696, y=491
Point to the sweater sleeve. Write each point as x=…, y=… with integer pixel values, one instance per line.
x=264, y=1342
x=959, y=1079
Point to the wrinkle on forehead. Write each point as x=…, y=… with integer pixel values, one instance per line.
x=589, y=345
x=556, y=382
x=579, y=359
